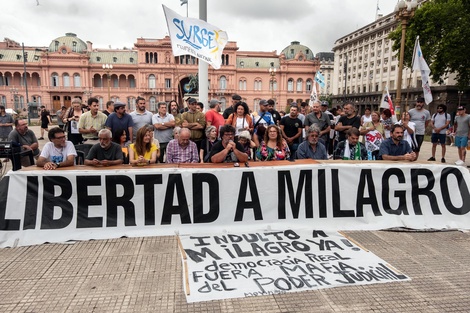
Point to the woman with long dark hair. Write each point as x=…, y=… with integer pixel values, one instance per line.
x=144, y=151
x=273, y=147
x=240, y=119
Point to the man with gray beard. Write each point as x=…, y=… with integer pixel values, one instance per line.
x=106, y=152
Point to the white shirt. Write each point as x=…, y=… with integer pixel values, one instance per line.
x=56, y=155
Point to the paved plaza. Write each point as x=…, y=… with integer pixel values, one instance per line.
x=145, y=275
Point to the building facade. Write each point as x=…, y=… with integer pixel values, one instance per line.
x=70, y=67
x=365, y=64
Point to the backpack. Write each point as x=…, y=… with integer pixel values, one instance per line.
x=434, y=117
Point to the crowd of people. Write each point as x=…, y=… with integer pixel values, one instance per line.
x=190, y=135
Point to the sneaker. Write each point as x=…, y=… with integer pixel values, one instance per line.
x=460, y=163
x=432, y=159
x=41, y=138
x=443, y=160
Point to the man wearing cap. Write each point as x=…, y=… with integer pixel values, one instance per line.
x=235, y=99
x=119, y=119
x=194, y=121
x=275, y=114
x=163, y=123
x=421, y=117
x=92, y=122
x=213, y=116
x=6, y=124
x=264, y=118
x=140, y=116
x=462, y=133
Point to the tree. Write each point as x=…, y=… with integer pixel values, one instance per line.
x=443, y=27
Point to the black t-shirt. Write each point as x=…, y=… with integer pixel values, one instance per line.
x=354, y=122
x=227, y=112
x=276, y=116
x=231, y=157
x=291, y=127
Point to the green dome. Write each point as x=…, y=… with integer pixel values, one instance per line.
x=71, y=41
x=295, y=47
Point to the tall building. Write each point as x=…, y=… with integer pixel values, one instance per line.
x=326, y=60
x=70, y=67
x=365, y=64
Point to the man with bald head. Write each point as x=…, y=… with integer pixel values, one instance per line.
x=182, y=150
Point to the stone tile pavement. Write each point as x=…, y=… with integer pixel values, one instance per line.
x=145, y=275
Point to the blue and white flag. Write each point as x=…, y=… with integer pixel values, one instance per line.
x=195, y=37
x=320, y=79
x=420, y=64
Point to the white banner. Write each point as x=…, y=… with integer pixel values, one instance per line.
x=84, y=203
x=195, y=37
x=270, y=262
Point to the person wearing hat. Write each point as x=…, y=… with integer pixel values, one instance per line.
x=462, y=133
x=244, y=138
x=119, y=119
x=264, y=118
x=195, y=121
x=235, y=99
x=213, y=116
x=421, y=117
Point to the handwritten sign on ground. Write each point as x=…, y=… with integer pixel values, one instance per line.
x=234, y=265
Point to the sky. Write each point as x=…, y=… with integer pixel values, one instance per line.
x=256, y=25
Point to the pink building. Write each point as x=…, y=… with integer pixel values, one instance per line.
x=70, y=67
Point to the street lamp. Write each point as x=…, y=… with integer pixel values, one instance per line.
x=404, y=11
x=272, y=72
x=460, y=95
x=108, y=68
x=88, y=93
x=14, y=94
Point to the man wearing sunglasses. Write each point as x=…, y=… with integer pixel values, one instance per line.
x=58, y=152
x=421, y=117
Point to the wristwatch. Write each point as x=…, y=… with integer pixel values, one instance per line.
x=57, y=164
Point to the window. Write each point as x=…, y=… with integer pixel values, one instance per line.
x=299, y=85
x=114, y=59
x=152, y=101
x=152, y=81
x=222, y=83
x=308, y=85
x=74, y=46
x=290, y=85
x=55, y=80
x=131, y=82
x=76, y=80
x=257, y=84
x=167, y=83
x=242, y=84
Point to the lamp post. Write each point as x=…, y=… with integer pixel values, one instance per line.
x=272, y=73
x=460, y=95
x=404, y=11
x=14, y=94
x=89, y=92
x=108, y=68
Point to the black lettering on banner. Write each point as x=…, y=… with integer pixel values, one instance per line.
x=50, y=201
x=248, y=180
x=336, y=197
x=6, y=224
x=31, y=204
x=361, y=200
x=285, y=182
x=463, y=188
x=416, y=191
x=400, y=194
x=113, y=201
x=85, y=201
x=149, y=182
x=175, y=185
x=200, y=256
x=214, y=202
x=316, y=233
x=322, y=193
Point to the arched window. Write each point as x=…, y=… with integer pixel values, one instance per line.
x=299, y=84
x=242, y=84
x=54, y=80
x=76, y=80
x=66, y=79
x=222, y=83
x=131, y=103
x=153, y=102
x=152, y=81
x=290, y=85
x=258, y=85
x=308, y=85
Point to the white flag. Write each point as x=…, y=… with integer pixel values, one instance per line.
x=195, y=37
x=313, y=95
x=420, y=64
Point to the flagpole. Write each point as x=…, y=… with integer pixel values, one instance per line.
x=203, y=84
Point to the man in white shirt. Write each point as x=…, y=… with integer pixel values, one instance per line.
x=163, y=124
x=58, y=152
